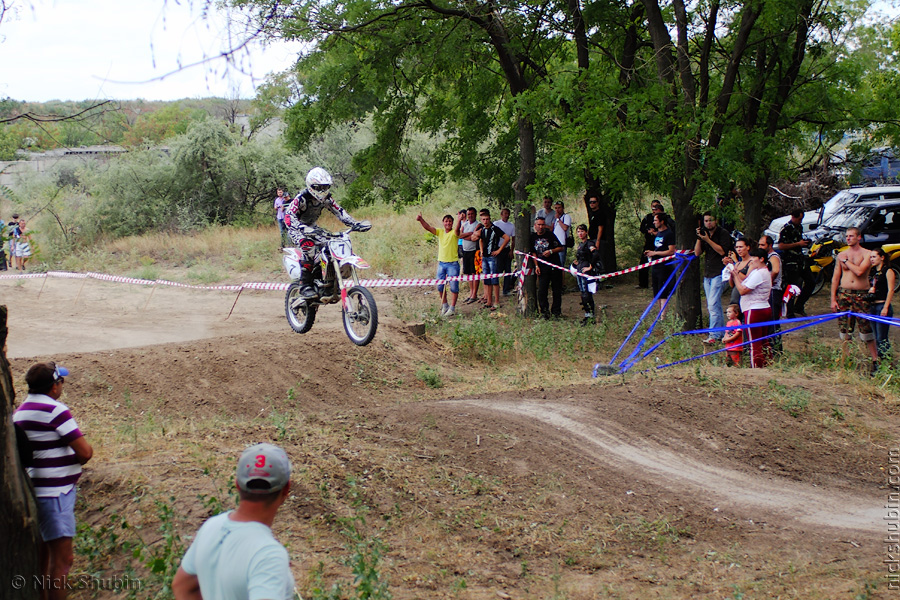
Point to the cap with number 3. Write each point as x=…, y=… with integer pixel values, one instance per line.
x=263, y=469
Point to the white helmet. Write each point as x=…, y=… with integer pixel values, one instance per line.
x=318, y=182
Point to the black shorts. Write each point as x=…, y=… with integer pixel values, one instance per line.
x=660, y=275
x=468, y=262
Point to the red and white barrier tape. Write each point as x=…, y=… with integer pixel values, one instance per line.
x=429, y=282
x=605, y=275
x=266, y=286
x=24, y=276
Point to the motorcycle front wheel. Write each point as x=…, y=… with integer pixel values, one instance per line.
x=300, y=315
x=360, y=316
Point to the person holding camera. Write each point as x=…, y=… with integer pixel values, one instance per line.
x=715, y=243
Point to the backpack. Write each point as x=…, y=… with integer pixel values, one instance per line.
x=570, y=239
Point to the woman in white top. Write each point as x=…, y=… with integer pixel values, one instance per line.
x=23, y=245
x=755, y=287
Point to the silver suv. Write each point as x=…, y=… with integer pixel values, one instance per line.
x=812, y=219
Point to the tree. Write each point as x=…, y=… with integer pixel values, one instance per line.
x=153, y=127
x=734, y=87
x=210, y=175
x=18, y=511
x=455, y=71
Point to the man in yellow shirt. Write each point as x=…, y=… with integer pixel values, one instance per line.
x=448, y=261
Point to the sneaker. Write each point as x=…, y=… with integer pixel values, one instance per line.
x=711, y=341
x=450, y=312
x=444, y=310
x=800, y=312
x=587, y=321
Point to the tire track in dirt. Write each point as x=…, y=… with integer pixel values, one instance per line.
x=731, y=488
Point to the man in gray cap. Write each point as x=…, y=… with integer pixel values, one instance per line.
x=234, y=555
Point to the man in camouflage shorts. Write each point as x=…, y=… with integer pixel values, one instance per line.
x=849, y=292
x=855, y=301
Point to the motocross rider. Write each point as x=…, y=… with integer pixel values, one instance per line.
x=301, y=217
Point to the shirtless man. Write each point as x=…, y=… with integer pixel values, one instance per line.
x=849, y=290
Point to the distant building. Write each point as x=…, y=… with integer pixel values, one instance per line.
x=40, y=162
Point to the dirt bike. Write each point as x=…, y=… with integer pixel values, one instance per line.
x=335, y=278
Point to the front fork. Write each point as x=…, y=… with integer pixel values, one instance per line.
x=345, y=283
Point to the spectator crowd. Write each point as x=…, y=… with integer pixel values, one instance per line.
x=754, y=275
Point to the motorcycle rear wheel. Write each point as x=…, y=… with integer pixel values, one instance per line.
x=360, y=316
x=301, y=317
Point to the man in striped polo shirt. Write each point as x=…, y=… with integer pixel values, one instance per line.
x=58, y=449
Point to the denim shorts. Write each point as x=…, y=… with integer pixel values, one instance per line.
x=57, y=516
x=448, y=269
x=489, y=267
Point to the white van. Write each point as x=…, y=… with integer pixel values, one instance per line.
x=813, y=218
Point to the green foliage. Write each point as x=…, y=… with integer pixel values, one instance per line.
x=163, y=558
x=9, y=143
x=119, y=545
x=479, y=338
x=429, y=376
x=210, y=176
x=365, y=555
x=154, y=127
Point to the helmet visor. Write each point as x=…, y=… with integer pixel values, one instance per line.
x=320, y=187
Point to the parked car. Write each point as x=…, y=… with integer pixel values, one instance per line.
x=813, y=219
x=878, y=222
x=879, y=225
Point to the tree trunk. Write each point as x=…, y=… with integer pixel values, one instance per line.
x=18, y=512
x=753, y=205
x=688, y=295
x=528, y=299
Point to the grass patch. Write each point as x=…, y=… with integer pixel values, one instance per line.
x=794, y=401
x=430, y=376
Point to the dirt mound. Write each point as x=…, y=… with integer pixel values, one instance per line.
x=672, y=484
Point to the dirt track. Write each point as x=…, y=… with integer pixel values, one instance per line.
x=690, y=473
x=650, y=446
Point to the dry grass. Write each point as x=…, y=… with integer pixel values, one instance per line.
x=397, y=246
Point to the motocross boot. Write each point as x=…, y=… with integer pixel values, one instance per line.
x=307, y=290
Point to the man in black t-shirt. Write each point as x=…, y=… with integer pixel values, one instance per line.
x=796, y=267
x=715, y=243
x=649, y=232
x=492, y=241
x=545, y=245
x=596, y=232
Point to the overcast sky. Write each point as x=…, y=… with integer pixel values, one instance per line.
x=87, y=49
